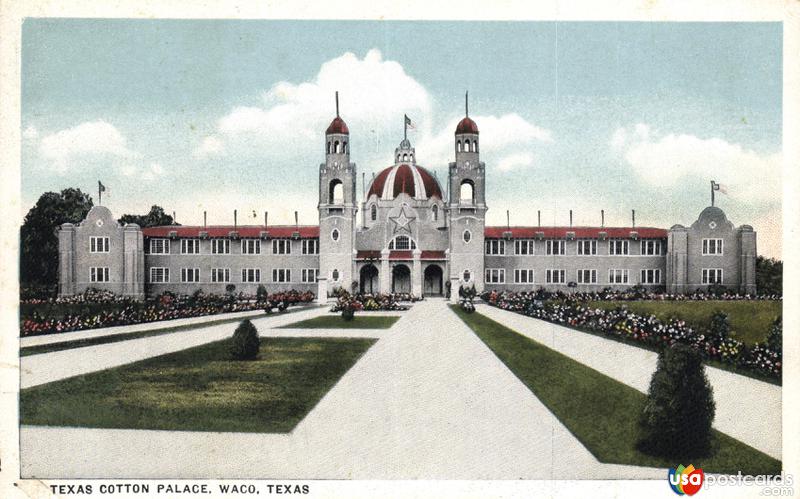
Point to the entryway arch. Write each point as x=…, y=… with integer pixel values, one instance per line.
x=368, y=282
x=432, y=285
x=401, y=279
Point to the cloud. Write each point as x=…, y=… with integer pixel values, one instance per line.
x=665, y=160
x=67, y=148
x=30, y=133
x=211, y=146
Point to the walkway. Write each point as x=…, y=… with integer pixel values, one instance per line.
x=747, y=409
x=428, y=400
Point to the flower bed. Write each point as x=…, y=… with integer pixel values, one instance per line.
x=370, y=302
x=715, y=344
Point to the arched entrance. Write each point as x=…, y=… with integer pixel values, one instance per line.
x=433, y=281
x=369, y=279
x=401, y=279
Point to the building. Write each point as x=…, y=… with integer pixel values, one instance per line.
x=405, y=236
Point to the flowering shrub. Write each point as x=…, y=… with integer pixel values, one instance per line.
x=369, y=302
x=764, y=358
x=636, y=293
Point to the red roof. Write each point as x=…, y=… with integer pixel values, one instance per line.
x=404, y=181
x=337, y=126
x=466, y=126
x=306, y=231
x=368, y=255
x=580, y=232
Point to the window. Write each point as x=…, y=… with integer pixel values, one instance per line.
x=281, y=246
x=251, y=247
x=523, y=246
x=309, y=275
x=434, y=213
x=190, y=246
x=556, y=247
x=190, y=275
x=159, y=246
x=618, y=276
x=523, y=276
x=251, y=275
x=220, y=246
x=281, y=275
x=335, y=234
x=98, y=274
x=712, y=246
x=618, y=247
x=467, y=275
x=310, y=246
x=335, y=275
x=373, y=213
x=587, y=247
x=587, y=276
x=495, y=247
x=336, y=192
x=159, y=274
x=467, y=236
x=402, y=243
x=651, y=247
x=98, y=244
x=556, y=276
x=220, y=275
x=712, y=276
x=496, y=276
x=651, y=276
x=467, y=192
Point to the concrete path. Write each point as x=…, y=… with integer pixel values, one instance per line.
x=747, y=409
x=428, y=400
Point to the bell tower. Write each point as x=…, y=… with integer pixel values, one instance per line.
x=337, y=208
x=467, y=207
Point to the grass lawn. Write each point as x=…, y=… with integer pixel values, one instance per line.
x=750, y=320
x=200, y=389
x=600, y=411
x=336, y=322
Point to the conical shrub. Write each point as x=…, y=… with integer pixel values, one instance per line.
x=245, y=342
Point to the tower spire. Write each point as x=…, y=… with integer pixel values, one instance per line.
x=466, y=102
x=337, y=103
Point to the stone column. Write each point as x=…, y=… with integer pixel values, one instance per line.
x=385, y=273
x=66, y=260
x=455, y=282
x=416, y=273
x=322, y=290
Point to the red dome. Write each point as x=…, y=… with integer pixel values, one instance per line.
x=466, y=126
x=413, y=180
x=337, y=126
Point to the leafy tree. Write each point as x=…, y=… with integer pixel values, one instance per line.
x=769, y=276
x=245, y=343
x=261, y=293
x=156, y=216
x=676, y=420
x=38, y=235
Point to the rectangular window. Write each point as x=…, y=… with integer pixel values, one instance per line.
x=251, y=247
x=281, y=246
x=310, y=246
x=523, y=276
x=651, y=247
x=309, y=275
x=587, y=276
x=556, y=276
x=221, y=246
x=651, y=276
x=712, y=246
x=281, y=275
x=251, y=275
x=159, y=246
x=159, y=274
x=98, y=274
x=556, y=246
x=618, y=276
x=220, y=275
x=496, y=276
x=712, y=276
x=587, y=247
x=618, y=247
x=495, y=247
x=190, y=246
x=98, y=244
x=190, y=275
x=524, y=246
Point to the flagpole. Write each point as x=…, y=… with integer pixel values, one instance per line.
x=712, y=193
x=99, y=193
x=405, y=127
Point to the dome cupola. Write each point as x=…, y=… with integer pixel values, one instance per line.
x=466, y=136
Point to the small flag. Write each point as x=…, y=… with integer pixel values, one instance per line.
x=408, y=123
x=719, y=187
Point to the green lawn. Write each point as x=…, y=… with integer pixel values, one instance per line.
x=200, y=389
x=336, y=322
x=750, y=320
x=600, y=411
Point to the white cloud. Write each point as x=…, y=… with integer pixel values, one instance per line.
x=30, y=133
x=155, y=170
x=664, y=160
x=92, y=139
x=211, y=146
x=514, y=161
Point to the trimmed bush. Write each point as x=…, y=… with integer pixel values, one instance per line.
x=348, y=313
x=261, y=293
x=245, y=342
x=676, y=420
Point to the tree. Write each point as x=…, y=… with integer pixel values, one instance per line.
x=155, y=217
x=676, y=420
x=38, y=235
x=769, y=276
x=245, y=343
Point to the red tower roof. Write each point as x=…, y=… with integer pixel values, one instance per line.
x=466, y=126
x=337, y=126
x=411, y=179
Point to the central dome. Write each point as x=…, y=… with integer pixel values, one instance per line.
x=411, y=179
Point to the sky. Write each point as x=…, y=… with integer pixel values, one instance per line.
x=199, y=115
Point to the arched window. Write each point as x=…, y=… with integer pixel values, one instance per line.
x=405, y=157
x=475, y=145
x=467, y=193
x=336, y=192
x=459, y=146
x=373, y=213
x=344, y=147
x=467, y=276
x=435, y=213
x=335, y=275
x=467, y=147
x=329, y=147
x=336, y=147
x=402, y=243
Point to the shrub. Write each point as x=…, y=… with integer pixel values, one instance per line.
x=775, y=338
x=261, y=293
x=245, y=343
x=676, y=420
x=230, y=288
x=348, y=313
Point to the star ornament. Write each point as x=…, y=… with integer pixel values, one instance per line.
x=402, y=221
